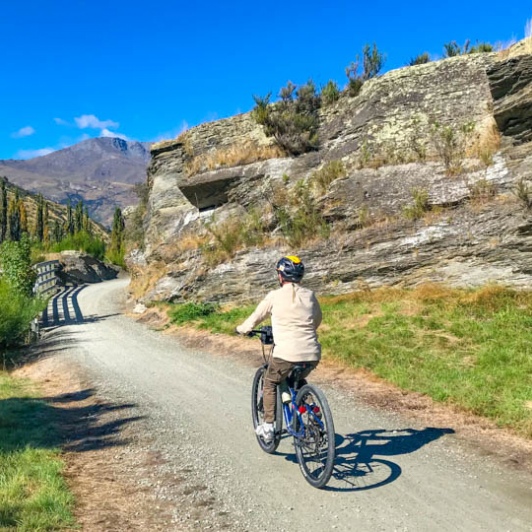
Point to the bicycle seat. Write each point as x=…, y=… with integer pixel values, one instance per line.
x=294, y=377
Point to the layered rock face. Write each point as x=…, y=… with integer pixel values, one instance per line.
x=398, y=213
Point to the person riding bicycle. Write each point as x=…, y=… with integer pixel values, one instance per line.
x=295, y=314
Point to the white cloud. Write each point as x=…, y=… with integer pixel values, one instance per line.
x=23, y=132
x=61, y=122
x=91, y=121
x=528, y=29
x=30, y=154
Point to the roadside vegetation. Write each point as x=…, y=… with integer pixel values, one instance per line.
x=466, y=348
x=33, y=493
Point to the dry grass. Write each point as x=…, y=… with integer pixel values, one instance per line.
x=235, y=155
x=143, y=281
x=486, y=145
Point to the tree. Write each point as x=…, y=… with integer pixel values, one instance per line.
x=3, y=211
x=58, y=231
x=46, y=224
x=116, y=249
x=13, y=213
x=78, y=217
x=39, y=219
x=70, y=219
x=87, y=222
x=23, y=216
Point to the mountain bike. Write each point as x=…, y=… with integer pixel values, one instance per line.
x=306, y=414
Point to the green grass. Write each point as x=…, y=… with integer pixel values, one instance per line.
x=469, y=348
x=33, y=493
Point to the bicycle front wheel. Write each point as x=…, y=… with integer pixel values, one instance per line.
x=315, y=446
x=257, y=411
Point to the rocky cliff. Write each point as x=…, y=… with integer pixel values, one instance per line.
x=425, y=175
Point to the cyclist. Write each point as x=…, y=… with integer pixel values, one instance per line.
x=295, y=314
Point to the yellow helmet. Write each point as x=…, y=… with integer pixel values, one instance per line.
x=291, y=268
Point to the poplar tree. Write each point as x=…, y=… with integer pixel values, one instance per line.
x=39, y=219
x=23, y=216
x=46, y=224
x=70, y=219
x=78, y=217
x=14, y=218
x=3, y=211
x=117, y=233
x=87, y=222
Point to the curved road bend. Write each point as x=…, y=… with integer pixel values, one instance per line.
x=391, y=473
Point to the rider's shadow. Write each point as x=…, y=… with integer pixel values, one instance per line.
x=359, y=464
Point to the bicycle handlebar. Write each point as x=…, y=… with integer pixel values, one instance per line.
x=265, y=333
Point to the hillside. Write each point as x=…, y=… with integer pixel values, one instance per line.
x=99, y=171
x=56, y=212
x=424, y=175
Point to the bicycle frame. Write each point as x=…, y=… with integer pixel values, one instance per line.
x=289, y=409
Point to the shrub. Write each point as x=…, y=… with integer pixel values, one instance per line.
x=420, y=59
x=523, y=192
x=296, y=214
x=420, y=206
x=482, y=191
x=415, y=140
x=82, y=241
x=451, y=143
x=292, y=122
x=330, y=93
x=232, y=235
x=18, y=310
x=481, y=48
x=16, y=265
x=372, y=63
x=322, y=178
x=452, y=49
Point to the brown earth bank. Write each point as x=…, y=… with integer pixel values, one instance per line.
x=110, y=467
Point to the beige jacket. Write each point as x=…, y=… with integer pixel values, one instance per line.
x=296, y=314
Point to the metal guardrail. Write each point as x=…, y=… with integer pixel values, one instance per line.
x=47, y=282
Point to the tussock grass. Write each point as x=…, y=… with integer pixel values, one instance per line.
x=468, y=348
x=232, y=156
x=33, y=494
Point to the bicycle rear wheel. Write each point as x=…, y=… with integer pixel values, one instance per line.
x=315, y=449
x=257, y=411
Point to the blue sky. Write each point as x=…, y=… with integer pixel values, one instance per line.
x=75, y=69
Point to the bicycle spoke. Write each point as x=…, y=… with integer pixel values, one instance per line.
x=315, y=447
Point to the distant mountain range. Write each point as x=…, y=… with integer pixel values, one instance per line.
x=99, y=171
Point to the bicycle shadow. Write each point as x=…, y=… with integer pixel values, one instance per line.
x=360, y=464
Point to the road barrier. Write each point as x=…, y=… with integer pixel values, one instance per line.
x=47, y=282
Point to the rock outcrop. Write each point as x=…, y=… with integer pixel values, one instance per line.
x=79, y=268
x=397, y=214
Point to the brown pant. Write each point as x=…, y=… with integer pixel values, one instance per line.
x=276, y=373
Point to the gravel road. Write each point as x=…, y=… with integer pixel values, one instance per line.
x=391, y=473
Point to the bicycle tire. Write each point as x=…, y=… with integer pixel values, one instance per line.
x=257, y=412
x=316, y=449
